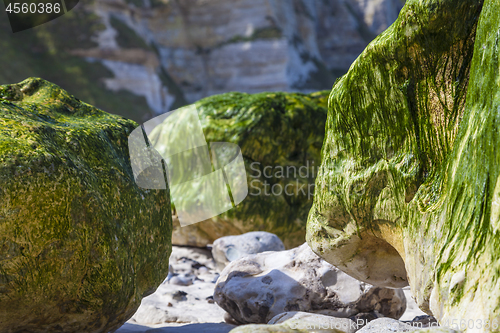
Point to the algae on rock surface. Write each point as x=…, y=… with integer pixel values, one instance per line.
x=408, y=184
x=280, y=136
x=80, y=242
x=467, y=239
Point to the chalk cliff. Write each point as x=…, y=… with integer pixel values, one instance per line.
x=150, y=56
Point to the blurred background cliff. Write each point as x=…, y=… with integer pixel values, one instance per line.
x=140, y=58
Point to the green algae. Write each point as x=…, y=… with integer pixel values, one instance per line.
x=421, y=105
x=395, y=125
x=80, y=243
x=276, y=132
x=468, y=217
x=272, y=130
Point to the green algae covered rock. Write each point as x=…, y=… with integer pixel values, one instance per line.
x=80, y=243
x=408, y=190
x=280, y=136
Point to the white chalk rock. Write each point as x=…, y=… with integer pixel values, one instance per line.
x=258, y=287
x=305, y=320
x=186, y=296
x=231, y=248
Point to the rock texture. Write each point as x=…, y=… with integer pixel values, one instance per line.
x=412, y=309
x=139, y=58
x=386, y=325
x=80, y=243
x=305, y=320
x=411, y=156
x=196, y=264
x=231, y=248
x=280, y=137
x=258, y=287
x=186, y=295
x=302, y=322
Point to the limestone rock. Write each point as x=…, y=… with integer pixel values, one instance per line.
x=231, y=248
x=301, y=322
x=205, y=48
x=436, y=330
x=409, y=185
x=386, y=325
x=80, y=242
x=412, y=310
x=258, y=287
x=177, y=303
x=305, y=320
x=423, y=321
x=280, y=137
x=142, y=58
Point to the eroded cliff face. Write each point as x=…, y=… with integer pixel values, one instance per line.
x=151, y=56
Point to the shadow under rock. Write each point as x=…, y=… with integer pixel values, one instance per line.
x=132, y=328
x=194, y=328
x=188, y=328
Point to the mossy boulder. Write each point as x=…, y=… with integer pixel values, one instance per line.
x=280, y=137
x=408, y=190
x=80, y=242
